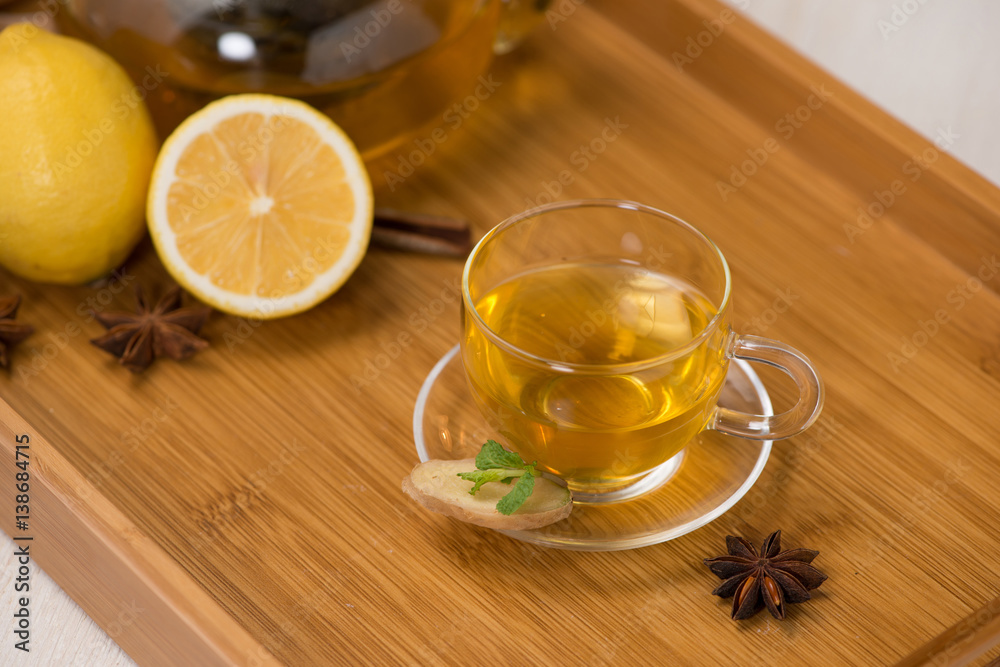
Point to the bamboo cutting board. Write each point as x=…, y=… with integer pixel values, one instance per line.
x=248, y=502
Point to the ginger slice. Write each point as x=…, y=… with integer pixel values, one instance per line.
x=436, y=485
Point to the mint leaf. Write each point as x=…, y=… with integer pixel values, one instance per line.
x=496, y=464
x=513, y=500
x=480, y=477
x=493, y=455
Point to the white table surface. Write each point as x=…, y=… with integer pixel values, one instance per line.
x=940, y=68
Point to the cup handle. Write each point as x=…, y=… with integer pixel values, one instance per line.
x=787, y=424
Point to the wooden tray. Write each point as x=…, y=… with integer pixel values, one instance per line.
x=248, y=501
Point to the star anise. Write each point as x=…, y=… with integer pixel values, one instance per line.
x=166, y=329
x=771, y=578
x=11, y=332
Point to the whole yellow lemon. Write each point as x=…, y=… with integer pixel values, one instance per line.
x=76, y=151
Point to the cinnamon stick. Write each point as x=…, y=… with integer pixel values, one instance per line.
x=418, y=232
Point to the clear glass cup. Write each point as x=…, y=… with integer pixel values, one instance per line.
x=596, y=340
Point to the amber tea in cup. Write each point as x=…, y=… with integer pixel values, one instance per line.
x=596, y=339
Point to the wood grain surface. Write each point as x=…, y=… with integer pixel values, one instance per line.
x=250, y=497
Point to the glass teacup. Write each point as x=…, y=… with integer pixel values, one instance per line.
x=596, y=339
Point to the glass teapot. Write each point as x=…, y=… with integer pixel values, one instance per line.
x=382, y=69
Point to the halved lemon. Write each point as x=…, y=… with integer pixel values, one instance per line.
x=260, y=206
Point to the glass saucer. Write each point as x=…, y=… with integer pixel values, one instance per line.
x=695, y=487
